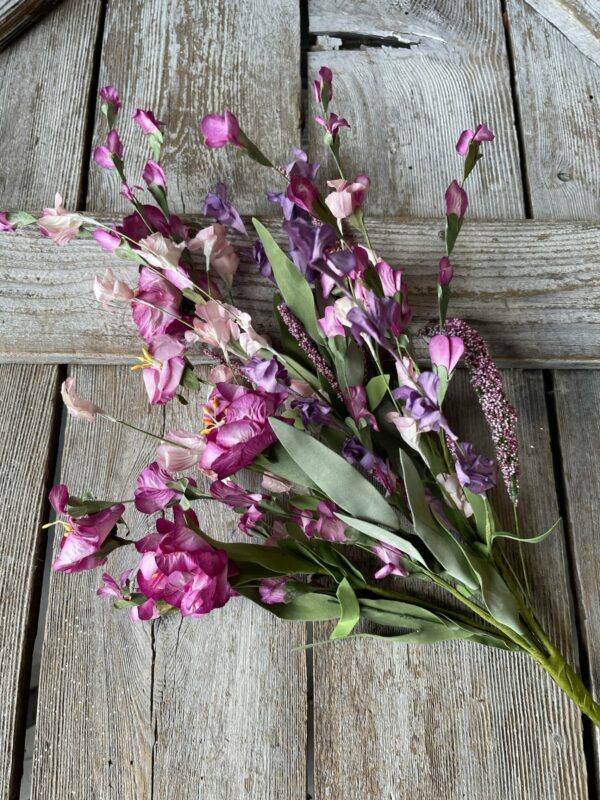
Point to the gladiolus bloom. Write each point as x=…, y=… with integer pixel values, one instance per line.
x=110, y=96
x=481, y=134
x=325, y=80
x=59, y=224
x=446, y=351
x=220, y=130
x=456, y=200
x=147, y=121
x=272, y=590
x=180, y=450
x=5, y=225
x=154, y=174
x=162, y=364
x=105, y=155
x=347, y=196
x=302, y=192
x=151, y=492
x=445, y=271
x=108, y=289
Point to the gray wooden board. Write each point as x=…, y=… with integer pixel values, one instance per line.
x=533, y=289
x=17, y=15
x=29, y=402
x=455, y=720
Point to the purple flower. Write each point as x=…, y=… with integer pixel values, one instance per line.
x=421, y=404
x=391, y=279
x=324, y=86
x=234, y=495
x=475, y=472
x=301, y=166
x=105, y=155
x=328, y=526
x=390, y=556
x=456, y=200
x=289, y=208
x=481, y=134
x=221, y=130
x=5, y=225
x=308, y=245
x=272, y=590
x=110, y=96
x=249, y=520
x=262, y=262
x=267, y=374
x=355, y=398
x=332, y=124
x=378, y=317
x=330, y=324
x=446, y=351
x=165, y=300
x=110, y=588
x=302, y=192
x=356, y=453
x=154, y=174
x=162, y=365
x=217, y=207
x=151, y=492
x=312, y=411
x=445, y=271
x=107, y=240
x=147, y=121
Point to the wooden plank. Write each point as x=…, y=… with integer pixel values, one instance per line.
x=532, y=288
x=453, y=720
x=578, y=20
x=232, y=676
x=408, y=105
x=246, y=58
x=94, y=730
x=29, y=401
x=558, y=91
x=17, y=15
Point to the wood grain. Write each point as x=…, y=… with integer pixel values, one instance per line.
x=191, y=58
x=453, y=720
x=532, y=288
x=17, y=15
x=558, y=92
x=408, y=105
x=578, y=20
x=29, y=400
x=94, y=727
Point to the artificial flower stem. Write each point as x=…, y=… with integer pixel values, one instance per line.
x=141, y=430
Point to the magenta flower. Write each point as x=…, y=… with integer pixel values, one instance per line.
x=355, y=398
x=330, y=324
x=5, y=225
x=475, y=472
x=325, y=82
x=445, y=271
x=110, y=588
x=446, y=351
x=83, y=537
x=234, y=495
x=180, y=450
x=105, y=155
x=110, y=96
x=322, y=524
x=217, y=207
x=147, y=121
x=162, y=364
x=302, y=192
x=390, y=556
x=347, y=197
x=151, y=492
x=164, y=300
x=391, y=279
x=144, y=612
x=267, y=374
x=220, y=130
x=154, y=174
x=181, y=569
x=481, y=134
x=236, y=427
x=456, y=200
x=107, y=240
x=272, y=590
x=332, y=124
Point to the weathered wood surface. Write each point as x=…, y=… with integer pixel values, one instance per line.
x=578, y=20
x=408, y=105
x=17, y=15
x=190, y=58
x=452, y=720
x=94, y=732
x=30, y=403
x=558, y=91
x=532, y=288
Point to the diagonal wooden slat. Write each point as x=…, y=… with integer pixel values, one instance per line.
x=17, y=15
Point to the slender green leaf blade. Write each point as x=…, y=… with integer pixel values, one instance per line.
x=382, y=535
x=349, y=610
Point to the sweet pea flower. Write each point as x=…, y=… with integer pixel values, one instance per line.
x=355, y=398
x=108, y=289
x=151, y=492
x=154, y=174
x=445, y=271
x=162, y=364
x=272, y=590
x=221, y=130
x=83, y=537
x=481, y=134
x=324, y=86
x=391, y=279
x=221, y=255
x=329, y=323
x=406, y=427
x=147, y=121
x=446, y=351
x=110, y=588
x=456, y=200
x=313, y=411
x=110, y=96
x=327, y=525
x=215, y=324
x=217, y=207
x=422, y=405
x=59, y=224
x=332, y=124
x=76, y=406
x=236, y=427
x=179, y=568
x=252, y=342
x=108, y=240
x=180, y=450
x=302, y=192
x=475, y=472
x=347, y=197
x=105, y=155
x=390, y=556
x=267, y=374
x=163, y=309
x=5, y=225
x=452, y=487
x=161, y=252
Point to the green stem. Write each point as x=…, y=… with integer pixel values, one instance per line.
x=569, y=681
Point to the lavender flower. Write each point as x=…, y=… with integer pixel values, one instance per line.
x=268, y=374
x=313, y=411
x=422, y=405
x=259, y=257
x=475, y=472
x=217, y=207
x=308, y=244
x=356, y=453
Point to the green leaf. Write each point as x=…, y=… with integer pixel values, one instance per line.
x=309, y=607
x=282, y=465
x=294, y=288
x=484, y=516
x=377, y=389
x=20, y=219
x=349, y=611
x=190, y=380
x=83, y=507
x=382, y=535
x=442, y=544
x=453, y=226
x=336, y=478
x=348, y=361
x=531, y=540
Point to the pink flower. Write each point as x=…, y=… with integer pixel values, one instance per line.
x=110, y=588
x=108, y=289
x=223, y=258
x=446, y=351
x=144, y=612
x=355, y=398
x=220, y=130
x=237, y=497
x=83, y=537
x=456, y=200
x=164, y=299
x=180, y=450
x=105, y=155
x=272, y=590
x=81, y=409
x=107, y=240
x=60, y=225
x=151, y=492
x=328, y=526
x=329, y=323
x=162, y=364
x=221, y=373
x=215, y=324
x=391, y=279
x=445, y=271
x=236, y=427
x=348, y=197
x=325, y=82
x=181, y=569
x=161, y=252
x=390, y=556
x=302, y=192
x=147, y=121
x=332, y=124
x=110, y=96
x=481, y=134
x=5, y=225
x=154, y=174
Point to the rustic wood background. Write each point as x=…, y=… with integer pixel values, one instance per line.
x=232, y=707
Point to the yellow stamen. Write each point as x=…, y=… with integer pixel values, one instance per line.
x=146, y=361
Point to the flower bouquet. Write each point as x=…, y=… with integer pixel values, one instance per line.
x=365, y=487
